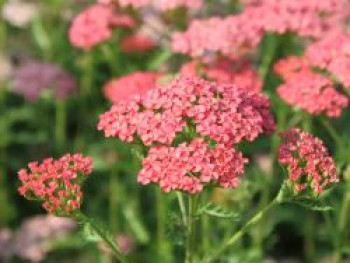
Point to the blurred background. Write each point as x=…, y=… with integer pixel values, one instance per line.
x=51, y=96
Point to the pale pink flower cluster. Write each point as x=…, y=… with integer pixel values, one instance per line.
x=244, y=31
x=165, y=5
x=221, y=112
x=32, y=78
x=190, y=166
x=161, y=5
x=313, y=93
x=224, y=70
x=57, y=183
x=308, y=162
x=126, y=87
x=31, y=241
x=234, y=34
x=332, y=53
x=94, y=25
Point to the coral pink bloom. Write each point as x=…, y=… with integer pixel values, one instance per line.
x=308, y=162
x=126, y=87
x=291, y=66
x=57, y=183
x=94, y=25
x=191, y=166
x=221, y=112
x=137, y=43
x=313, y=93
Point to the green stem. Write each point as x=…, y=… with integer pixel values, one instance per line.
x=109, y=56
x=332, y=132
x=205, y=231
x=343, y=219
x=309, y=243
x=182, y=207
x=60, y=126
x=268, y=56
x=103, y=234
x=238, y=235
x=114, y=200
x=160, y=223
x=191, y=228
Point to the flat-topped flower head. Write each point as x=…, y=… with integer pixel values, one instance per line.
x=313, y=93
x=220, y=112
x=189, y=167
x=57, y=183
x=128, y=86
x=309, y=165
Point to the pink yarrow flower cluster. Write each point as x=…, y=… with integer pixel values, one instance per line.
x=244, y=31
x=94, y=25
x=234, y=34
x=313, y=93
x=308, y=89
x=57, y=183
x=190, y=166
x=308, y=162
x=221, y=112
x=190, y=126
x=126, y=87
x=224, y=70
x=332, y=53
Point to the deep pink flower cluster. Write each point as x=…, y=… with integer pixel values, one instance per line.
x=190, y=166
x=137, y=43
x=244, y=30
x=126, y=87
x=224, y=70
x=221, y=112
x=94, y=25
x=313, y=93
x=57, y=183
x=332, y=53
x=32, y=78
x=309, y=164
